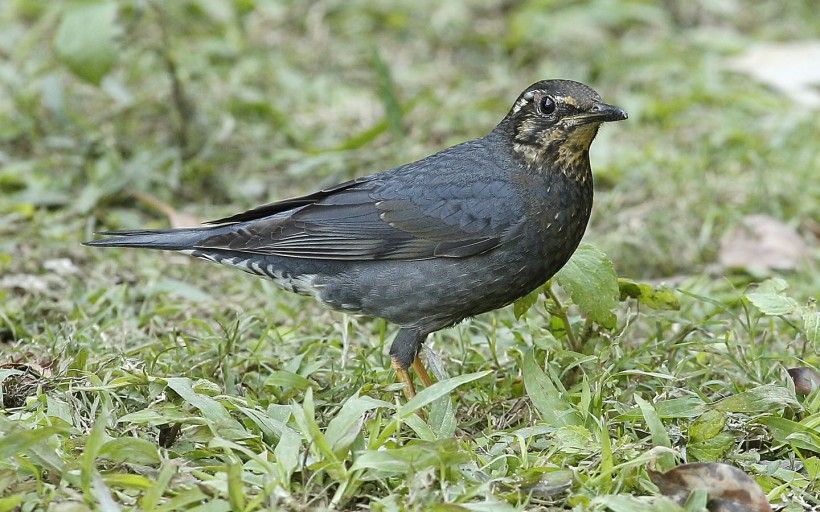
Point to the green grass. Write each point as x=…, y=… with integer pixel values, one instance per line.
x=139, y=380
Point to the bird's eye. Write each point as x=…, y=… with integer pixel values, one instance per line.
x=546, y=105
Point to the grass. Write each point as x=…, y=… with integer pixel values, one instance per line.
x=136, y=380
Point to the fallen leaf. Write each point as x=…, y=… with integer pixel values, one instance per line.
x=175, y=219
x=791, y=68
x=761, y=242
x=17, y=382
x=805, y=379
x=729, y=489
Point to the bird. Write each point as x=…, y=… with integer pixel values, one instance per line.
x=430, y=243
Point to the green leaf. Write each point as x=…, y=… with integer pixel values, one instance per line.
x=35, y=445
x=10, y=503
x=305, y=417
x=18, y=442
x=697, y=500
x=772, y=304
x=211, y=410
x=442, y=418
x=93, y=443
x=769, y=298
x=767, y=398
x=343, y=429
x=287, y=380
x=437, y=390
x=287, y=454
x=419, y=426
x=712, y=449
x=130, y=449
x=590, y=280
x=236, y=494
x=659, y=435
x=414, y=457
x=707, y=425
x=545, y=395
x=154, y=418
x=574, y=439
x=86, y=39
x=209, y=407
x=127, y=481
x=688, y=407
x=154, y=494
x=522, y=305
x=791, y=432
x=655, y=297
x=774, y=285
x=811, y=325
x=269, y=426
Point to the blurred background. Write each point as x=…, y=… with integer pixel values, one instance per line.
x=121, y=114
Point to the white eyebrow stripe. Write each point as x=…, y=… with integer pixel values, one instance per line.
x=520, y=104
x=526, y=98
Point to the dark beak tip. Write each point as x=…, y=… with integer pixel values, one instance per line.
x=611, y=112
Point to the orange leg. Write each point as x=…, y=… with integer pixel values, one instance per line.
x=421, y=371
x=404, y=377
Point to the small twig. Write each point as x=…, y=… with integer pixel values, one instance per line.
x=586, y=331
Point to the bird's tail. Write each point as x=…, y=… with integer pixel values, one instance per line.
x=160, y=239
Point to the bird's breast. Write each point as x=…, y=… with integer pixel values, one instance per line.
x=558, y=213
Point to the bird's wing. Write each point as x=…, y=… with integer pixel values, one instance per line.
x=403, y=216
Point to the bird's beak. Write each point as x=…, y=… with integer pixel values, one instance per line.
x=601, y=113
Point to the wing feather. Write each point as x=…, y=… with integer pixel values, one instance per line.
x=407, y=213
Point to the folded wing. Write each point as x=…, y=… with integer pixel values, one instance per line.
x=403, y=217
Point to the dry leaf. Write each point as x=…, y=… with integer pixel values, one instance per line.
x=18, y=381
x=805, y=379
x=729, y=488
x=761, y=242
x=175, y=218
x=791, y=68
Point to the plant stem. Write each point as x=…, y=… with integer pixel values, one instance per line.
x=561, y=311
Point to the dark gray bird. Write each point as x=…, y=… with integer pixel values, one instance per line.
x=430, y=243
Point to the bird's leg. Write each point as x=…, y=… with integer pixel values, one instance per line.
x=404, y=377
x=421, y=371
x=404, y=354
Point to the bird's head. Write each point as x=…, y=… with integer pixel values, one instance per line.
x=553, y=123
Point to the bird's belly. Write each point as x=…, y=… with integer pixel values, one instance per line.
x=436, y=293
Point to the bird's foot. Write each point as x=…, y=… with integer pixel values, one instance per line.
x=403, y=376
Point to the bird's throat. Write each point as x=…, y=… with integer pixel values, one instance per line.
x=565, y=152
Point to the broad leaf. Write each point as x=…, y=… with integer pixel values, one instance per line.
x=522, y=305
x=86, y=39
x=343, y=429
x=772, y=304
x=764, y=398
x=769, y=298
x=591, y=282
x=654, y=297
